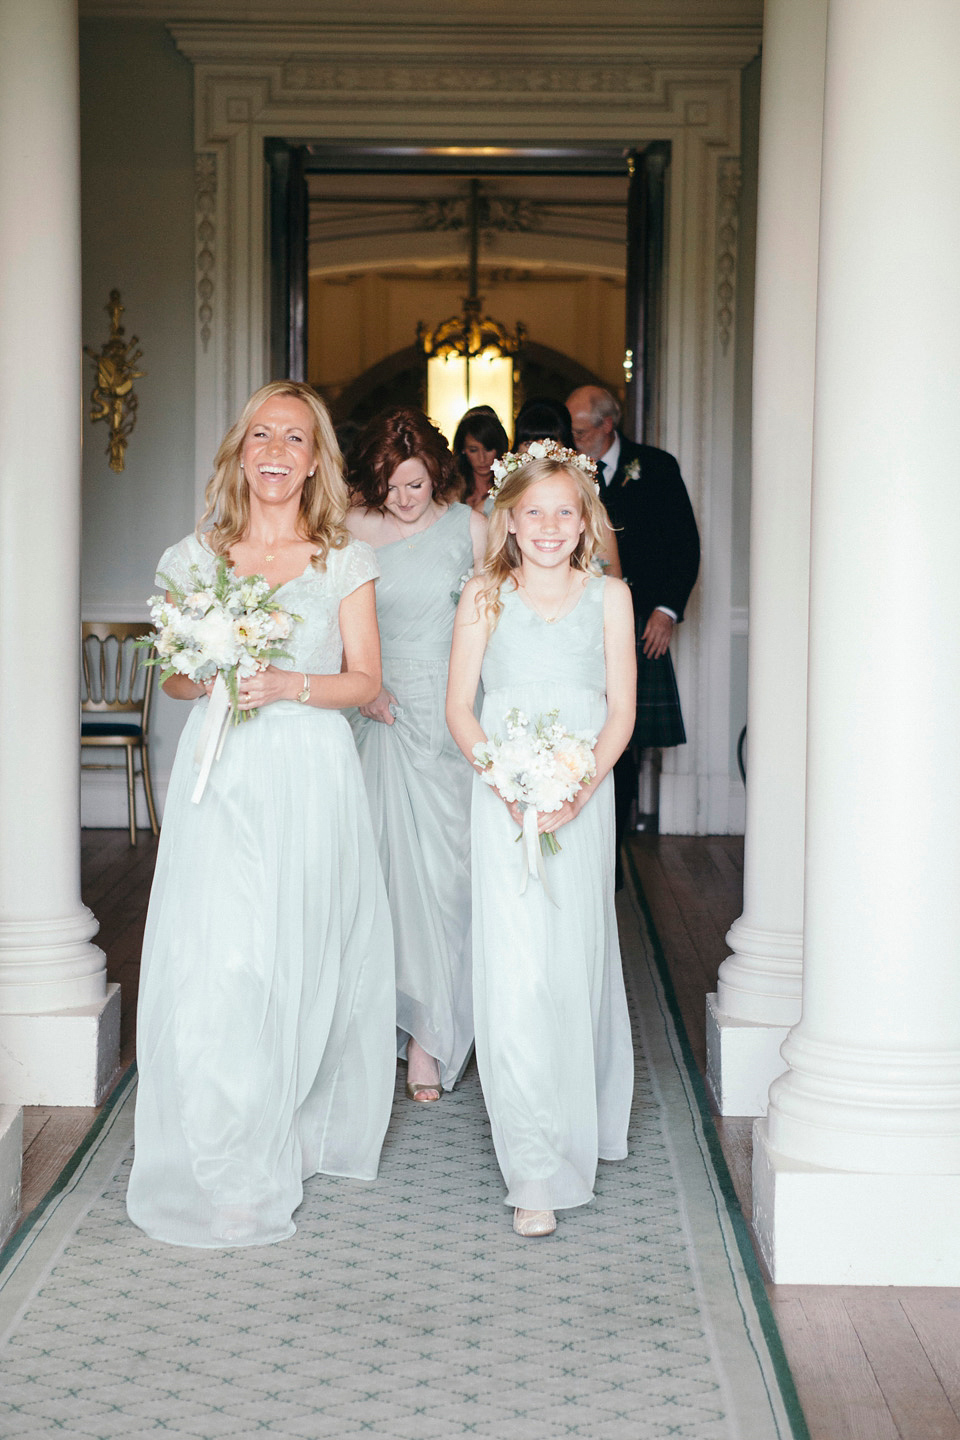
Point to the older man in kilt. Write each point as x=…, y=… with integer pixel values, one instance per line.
x=648, y=504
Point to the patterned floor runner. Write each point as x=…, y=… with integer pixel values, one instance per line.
x=408, y=1309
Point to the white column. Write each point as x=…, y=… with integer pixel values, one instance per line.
x=857, y=1167
x=758, y=991
x=59, y=1023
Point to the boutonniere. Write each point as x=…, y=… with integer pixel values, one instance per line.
x=632, y=472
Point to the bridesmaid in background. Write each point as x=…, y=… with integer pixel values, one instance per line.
x=542, y=418
x=402, y=482
x=478, y=441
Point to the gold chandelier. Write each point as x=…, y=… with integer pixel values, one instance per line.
x=470, y=356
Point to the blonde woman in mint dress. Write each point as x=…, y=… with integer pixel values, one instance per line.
x=265, y=1021
x=418, y=783
x=553, y=1035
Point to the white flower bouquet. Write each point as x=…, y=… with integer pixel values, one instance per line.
x=540, y=765
x=225, y=628
x=229, y=626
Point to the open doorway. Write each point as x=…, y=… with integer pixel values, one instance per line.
x=368, y=240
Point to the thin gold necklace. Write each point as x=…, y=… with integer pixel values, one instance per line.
x=270, y=555
x=411, y=539
x=551, y=619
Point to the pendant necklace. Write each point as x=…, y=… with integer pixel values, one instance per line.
x=550, y=619
x=409, y=542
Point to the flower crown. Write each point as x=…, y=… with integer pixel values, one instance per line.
x=541, y=450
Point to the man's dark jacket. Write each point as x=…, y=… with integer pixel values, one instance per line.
x=656, y=531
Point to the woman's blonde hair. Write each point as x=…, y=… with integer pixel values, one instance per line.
x=323, y=501
x=503, y=557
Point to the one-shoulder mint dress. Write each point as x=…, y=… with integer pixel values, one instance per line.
x=419, y=787
x=553, y=1033
x=265, y=1025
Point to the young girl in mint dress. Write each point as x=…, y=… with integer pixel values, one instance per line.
x=544, y=632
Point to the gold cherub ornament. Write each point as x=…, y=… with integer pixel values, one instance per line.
x=113, y=398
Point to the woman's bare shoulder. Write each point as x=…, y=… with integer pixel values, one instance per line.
x=365, y=524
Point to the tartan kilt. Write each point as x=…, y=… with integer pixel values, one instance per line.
x=659, y=719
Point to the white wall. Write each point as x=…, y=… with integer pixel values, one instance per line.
x=137, y=177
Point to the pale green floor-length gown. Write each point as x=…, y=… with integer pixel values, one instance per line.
x=419, y=788
x=553, y=1033
x=265, y=1027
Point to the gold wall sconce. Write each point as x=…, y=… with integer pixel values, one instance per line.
x=113, y=397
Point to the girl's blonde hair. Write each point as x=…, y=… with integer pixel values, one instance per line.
x=503, y=557
x=323, y=502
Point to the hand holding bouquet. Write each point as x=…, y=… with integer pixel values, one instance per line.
x=223, y=629
x=539, y=766
x=226, y=626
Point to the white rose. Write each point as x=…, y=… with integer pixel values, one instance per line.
x=214, y=635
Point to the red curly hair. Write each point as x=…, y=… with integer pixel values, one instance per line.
x=390, y=438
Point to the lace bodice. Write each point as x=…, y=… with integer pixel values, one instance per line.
x=315, y=645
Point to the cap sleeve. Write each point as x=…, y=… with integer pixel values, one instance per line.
x=176, y=561
x=356, y=565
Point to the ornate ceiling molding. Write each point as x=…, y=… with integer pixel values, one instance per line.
x=520, y=56
x=665, y=14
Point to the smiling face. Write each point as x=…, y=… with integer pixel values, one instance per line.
x=278, y=452
x=547, y=521
x=410, y=492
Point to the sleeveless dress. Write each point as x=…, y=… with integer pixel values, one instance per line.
x=419, y=786
x=553, y=1034
x=265, y=1025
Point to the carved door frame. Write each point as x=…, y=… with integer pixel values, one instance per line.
x=645, y=169
x=625, y=84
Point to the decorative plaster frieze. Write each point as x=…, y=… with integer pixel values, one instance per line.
x=494, y=212
x=563, y=76
x=205, y=194
x=460, y=274
x=728, y=223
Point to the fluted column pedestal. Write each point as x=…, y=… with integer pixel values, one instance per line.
x=857, y=1166
x=758, y=993
x=59, y=1021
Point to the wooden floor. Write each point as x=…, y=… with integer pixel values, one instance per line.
x=115, y=879
x=869, y=1363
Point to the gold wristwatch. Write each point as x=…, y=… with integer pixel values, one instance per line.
x=304, y=695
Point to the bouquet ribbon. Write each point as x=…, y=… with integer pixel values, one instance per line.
x=212, y=735
x=532, y=862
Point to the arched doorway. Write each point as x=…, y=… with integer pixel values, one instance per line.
x=543, y=369
x=399, y=380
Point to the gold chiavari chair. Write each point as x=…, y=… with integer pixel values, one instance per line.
x=115, y=703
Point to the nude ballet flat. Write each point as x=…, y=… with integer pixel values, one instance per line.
x=534, y=1222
